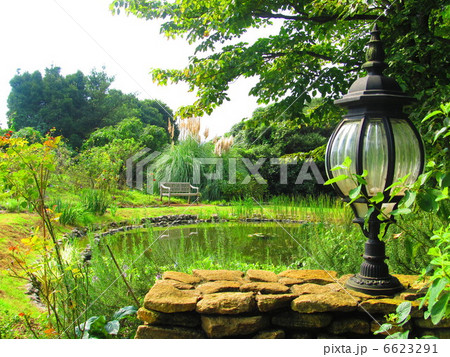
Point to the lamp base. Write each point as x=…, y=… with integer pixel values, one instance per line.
x=389, y=285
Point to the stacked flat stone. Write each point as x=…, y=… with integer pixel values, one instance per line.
x=262, y=304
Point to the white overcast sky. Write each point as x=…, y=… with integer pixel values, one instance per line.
x=83, y=34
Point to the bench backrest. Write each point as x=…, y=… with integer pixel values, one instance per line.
x=177, y=187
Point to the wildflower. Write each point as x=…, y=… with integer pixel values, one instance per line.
x=158, y=276
x=50, y=331
x=13, y=248
x=21, y=314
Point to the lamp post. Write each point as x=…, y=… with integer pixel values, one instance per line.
x=379, y=138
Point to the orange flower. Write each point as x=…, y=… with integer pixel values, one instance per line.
x=13, y=248
x=50, y=331
x=21, y=314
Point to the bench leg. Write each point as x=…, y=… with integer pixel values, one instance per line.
x=189, y=199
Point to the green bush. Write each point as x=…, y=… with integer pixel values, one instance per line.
x=95, y=201
x=70, y=213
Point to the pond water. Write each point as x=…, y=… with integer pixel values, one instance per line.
x=265, y=243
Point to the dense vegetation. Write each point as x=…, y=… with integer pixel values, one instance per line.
x=63, y=157
x=77, y=105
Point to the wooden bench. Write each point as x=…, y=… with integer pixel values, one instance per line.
x=171, y=189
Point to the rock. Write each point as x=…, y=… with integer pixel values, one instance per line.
x=387, y=306
x=309, y=288
x=265, y=288
x=375, y=326
x=212, y=275
x=338, y=287
x=299, y=335
x=144, y=332
x=176, y=284
x=422, y=323
x=411, y=281
x=349, y=325
x=182, y=277
x=326, y=336
x=331, y=301
x=272, y=302
x=343, y=279
x=261, y=275
x=411, y=295
x=270, y=334
x=295, y=320
x=212, y=287
x=439, y=333
x=224, y=326
x=151, y=317
x=166, y=298
x=321, y=277
x=226, y=303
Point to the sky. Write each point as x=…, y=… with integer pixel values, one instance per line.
x=83, y=34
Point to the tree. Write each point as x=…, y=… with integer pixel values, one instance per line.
x=146, y=135
x=318, y=49
x=76, y=104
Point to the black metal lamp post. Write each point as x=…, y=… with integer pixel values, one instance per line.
x=378, y=137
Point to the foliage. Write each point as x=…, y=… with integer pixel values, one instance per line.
x=315, y=48
x=69, y=212
x=102, y=167
x=398, y=319
x=95, y=201
x=59, y=279
x=99, y=327
x=283, y=138
x=147, y=135
x=77, y=104
x=438, y=293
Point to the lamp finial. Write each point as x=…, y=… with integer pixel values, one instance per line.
x=375, y=53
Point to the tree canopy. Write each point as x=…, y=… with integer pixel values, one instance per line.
x=317, y=51
x=77, y=104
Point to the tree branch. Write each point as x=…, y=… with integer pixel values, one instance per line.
x=318, y=19
x=310, y=53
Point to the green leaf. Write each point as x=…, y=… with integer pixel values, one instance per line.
x=438, y=133
x=401, y=211
x=435, y=290
x=427, y=201
x=124, y=311
x=112, y=327
x=443, y=195
x=383, y=328
x=439, y=309
x=399, y=335
x=379, y=197
x=403, y=310
x=336, y=179
x=368, y=214
x=355, y=192
x=432, y=114
x=409, y=198
x=97, y=327
x=361, y=180
x=345, y=165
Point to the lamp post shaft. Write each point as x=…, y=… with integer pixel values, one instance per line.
x=374, y=277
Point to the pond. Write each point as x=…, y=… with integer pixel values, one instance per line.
x=144, y=254
x=253, y=243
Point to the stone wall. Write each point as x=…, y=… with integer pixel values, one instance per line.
x=262, y=304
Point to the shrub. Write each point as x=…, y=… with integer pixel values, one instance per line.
x=95, y=201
